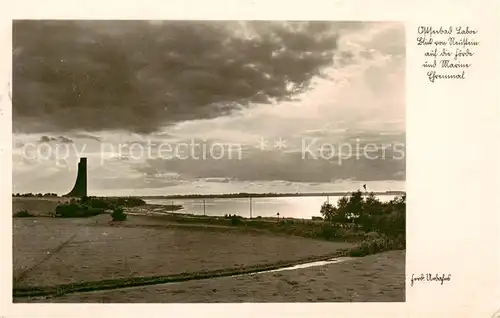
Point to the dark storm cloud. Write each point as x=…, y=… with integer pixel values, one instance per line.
x=139, y=76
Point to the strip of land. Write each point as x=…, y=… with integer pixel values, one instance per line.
x=374, y=278
x=265, y=195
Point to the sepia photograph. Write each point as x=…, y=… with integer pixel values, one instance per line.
x=191, y=161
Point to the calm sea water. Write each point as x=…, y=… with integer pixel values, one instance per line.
x=295, y=207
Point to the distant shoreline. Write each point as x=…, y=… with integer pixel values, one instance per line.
x=224, y=195
x=265, y=195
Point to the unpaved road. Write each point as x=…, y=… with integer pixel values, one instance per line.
x=374, y=278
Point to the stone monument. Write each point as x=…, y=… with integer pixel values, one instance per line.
x=80, y=188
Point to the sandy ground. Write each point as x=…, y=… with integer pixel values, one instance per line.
x=374, y=278
x=92, y=253
x=51, y=251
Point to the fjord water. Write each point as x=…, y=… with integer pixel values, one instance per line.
x=294, y=207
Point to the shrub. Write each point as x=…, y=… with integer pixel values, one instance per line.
x=393, y=222
x=355, y=205
x=372, y=235
x=23, y=214
x=235, y=220
x=118, y=214
x=328, y=232
x=96, y=211
x=369, y=213
x=377, y=245
x=71, y=209
x=75, y=210
x=98, y=203
x=328, y=211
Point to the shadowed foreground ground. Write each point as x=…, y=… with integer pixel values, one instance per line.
x=375, y=278
x=53, y=251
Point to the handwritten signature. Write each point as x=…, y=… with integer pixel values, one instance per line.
x=428, y=277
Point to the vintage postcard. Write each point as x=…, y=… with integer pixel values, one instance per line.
x=253, y=155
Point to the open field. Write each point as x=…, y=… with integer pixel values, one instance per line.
x=106, y=252
x=37, y=206
x=50, y=252
x=374, y=278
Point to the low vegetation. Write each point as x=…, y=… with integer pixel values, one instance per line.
x=76, y=210
x=37, y=195
x=118, y=214
x=388, y=219
x=235, y=219
x=377, y=226
x=22, y=214
x=91, y=206
x=377, y=245
x=316, y=229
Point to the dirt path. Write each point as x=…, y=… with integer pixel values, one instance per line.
x=375, y=278
x=23, y=273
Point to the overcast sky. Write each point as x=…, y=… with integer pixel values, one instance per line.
x=280, y=94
